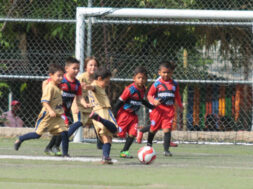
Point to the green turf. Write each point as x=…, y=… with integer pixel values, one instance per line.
x=191, y=167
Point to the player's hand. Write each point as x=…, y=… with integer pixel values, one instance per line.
x=157, y=102
x=52, y=114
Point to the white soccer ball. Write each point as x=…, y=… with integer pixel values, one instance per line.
x=146, y=154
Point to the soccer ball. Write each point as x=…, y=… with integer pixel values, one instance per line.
x=146, y=154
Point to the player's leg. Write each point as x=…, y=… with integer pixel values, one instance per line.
x=56, y=147
x=65, y=143
x=167, y=127
x=108, y=124
x=140, y=133
x=155, y=119
x=107, y=140
x=28, y=136
x=48, y=149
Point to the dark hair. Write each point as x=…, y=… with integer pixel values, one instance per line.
x=86, y=61
x=71, y=60
x=168, y=64
x=54, y=68
x=140, y=69
x=102, y=72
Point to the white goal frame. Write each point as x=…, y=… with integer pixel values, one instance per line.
x=84, y=15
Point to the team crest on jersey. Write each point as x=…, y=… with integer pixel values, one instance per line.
x=173, y=88
x=152, y=122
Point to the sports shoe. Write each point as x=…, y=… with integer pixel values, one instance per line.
x=94, y=116
x=125, y=154
x=139, y=137
x=107, y=160
x=172, y=144
x=48, y=151
x=167, y=153
x=56, y=151
x=17, y=144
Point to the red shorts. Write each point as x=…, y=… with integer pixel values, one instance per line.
x=161, y=119
x=127, y=123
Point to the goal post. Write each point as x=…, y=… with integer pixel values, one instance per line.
x=91, y=16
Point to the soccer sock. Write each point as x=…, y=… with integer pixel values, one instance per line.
x=65, y=142
x=166, y=141
x=29, y=136
x=106, y=150
x=150, y=138
x=145, y=129
x=108, y=124
x=51, y=143
x=58, y=141
x=128, y=143
x=73, y=127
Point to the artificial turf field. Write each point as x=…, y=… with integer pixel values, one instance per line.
x=192, y=166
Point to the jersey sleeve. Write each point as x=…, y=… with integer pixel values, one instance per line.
x=47, y=94
x=79, y=89
x=178, y=97
x=125, y=95
x=151, y=94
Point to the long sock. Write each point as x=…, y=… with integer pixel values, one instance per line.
x=166, y=141
x=65, y=142
x=73, y=127
x=150, y=138
x=51, y=143
x=106, y=150
x=128, y=143
x=145, y=129
x=108, y=124
x=29, y=136
x=58, y=140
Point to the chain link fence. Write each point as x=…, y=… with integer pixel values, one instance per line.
x=214, y=58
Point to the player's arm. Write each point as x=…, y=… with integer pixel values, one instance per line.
x=87, y=86
x=49, y=109
x=45, y=99
x=75, y=108
x=151, y=94
x=147, y=104
x=121, y=100
x=178, y=99
x=45, y=83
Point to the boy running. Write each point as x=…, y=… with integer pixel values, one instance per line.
x=163, y=94
x=50, y=118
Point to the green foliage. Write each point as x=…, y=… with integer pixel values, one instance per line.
x=3, y=85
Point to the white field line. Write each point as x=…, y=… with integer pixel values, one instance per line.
x=81, y=159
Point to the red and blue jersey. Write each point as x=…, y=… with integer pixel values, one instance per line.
x=167, y=92
x=132, y=98
x=70, y=89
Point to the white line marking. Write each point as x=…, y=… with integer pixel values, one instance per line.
x=82, y=159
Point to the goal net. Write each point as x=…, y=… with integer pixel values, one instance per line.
x=212, y=51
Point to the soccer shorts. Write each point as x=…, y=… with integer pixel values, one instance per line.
x=161, y=119
x=45, y=123
x=101, y=130
x=82, y=117
x=127, y=123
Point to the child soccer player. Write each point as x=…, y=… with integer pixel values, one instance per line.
x=71, y=88
x=127, y=106
x=104, y=121
x=90, y=65
x=163, y=94
x=50, y=116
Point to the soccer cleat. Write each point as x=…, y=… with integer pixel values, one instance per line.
x=48, y=151
x=94, y=116
x=17, y=145
x=56, y=151
x=125, y=154
x=172, y=144
x=167, y=153
x=66, y=156
x=139, y=137
x=107, y=160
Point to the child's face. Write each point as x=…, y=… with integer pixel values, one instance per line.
x=57, y=77
x=104, y=82
x=165, y=73
x=72, y=70
x=91, y=67
x=140, y=80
